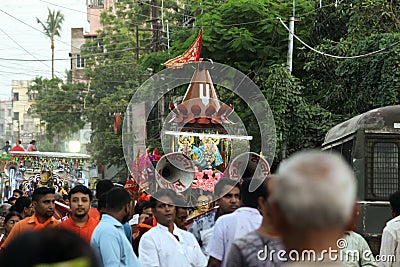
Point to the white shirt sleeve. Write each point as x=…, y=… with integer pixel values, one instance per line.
x=148, y=255
x=216, y=246
x=388, y=247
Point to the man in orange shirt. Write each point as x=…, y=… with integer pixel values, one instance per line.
x=43, y=201
x=80, y=200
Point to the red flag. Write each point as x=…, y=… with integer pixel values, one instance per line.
x=190, y=55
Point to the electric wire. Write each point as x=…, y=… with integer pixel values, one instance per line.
x=386, y=49
x=21, y=46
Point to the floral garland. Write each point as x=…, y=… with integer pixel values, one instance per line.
x=206, y=179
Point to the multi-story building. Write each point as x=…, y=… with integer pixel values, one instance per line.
x=24, y=124
x=94, y=9
x=78, y=37
x=6, y=121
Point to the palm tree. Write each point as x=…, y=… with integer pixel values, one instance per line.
x=52, y=28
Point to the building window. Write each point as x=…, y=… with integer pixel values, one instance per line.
x=95, y=3
x=16, y=116
x=16, y=96
x=80, y=62
x=32, y=96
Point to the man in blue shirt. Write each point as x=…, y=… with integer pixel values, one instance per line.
x=109, y=241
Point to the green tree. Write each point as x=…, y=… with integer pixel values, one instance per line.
x=299, y=123
x=51, y=29
x=351, y=86
x=60, y=106
x=114, y=76
x=244, y=34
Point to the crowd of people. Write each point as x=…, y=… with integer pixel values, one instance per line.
x=301, y=210
x=19, y=147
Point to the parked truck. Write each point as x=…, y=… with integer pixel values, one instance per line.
x=370, y=142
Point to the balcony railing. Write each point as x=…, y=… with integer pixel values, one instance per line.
x=95, y=3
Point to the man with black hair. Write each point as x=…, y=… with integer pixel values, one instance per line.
x=108, y=239
x=232, y=226
x=80, y=199
x=18, y=193
x=11, y=200
x=143, y=210
x=181, y=214
x=18, y=147
x=23, y=205
x=102, y=187
x=390, y=244
x=227, y=198
x=166, y=244
x=31, y=147
x=6, y=147
x=43, y=201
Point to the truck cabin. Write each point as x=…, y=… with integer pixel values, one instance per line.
x=370, y=143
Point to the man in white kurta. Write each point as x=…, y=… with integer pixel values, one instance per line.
x=166, y=244
x=390, y=245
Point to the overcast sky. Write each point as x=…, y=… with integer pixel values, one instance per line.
x=22, y=38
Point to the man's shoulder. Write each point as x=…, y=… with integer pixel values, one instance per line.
x=54, y=221
x=250, y=238
x=26, y=222
x=234, y=216
x=23, y=225
x=254, y=239
x=152, y=233
x=104, y=224
x=66, y=222
x=92, y=221
x=393, y=224
x=104, y=228
x=185, y=233
x=226, y=217
x=394, y=221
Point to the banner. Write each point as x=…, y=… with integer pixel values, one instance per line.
x=190, y=55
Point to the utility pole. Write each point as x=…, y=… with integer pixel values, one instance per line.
x=291, y=37
x=290, y=59
x=167, y=37
x=290, y=46
x=154, y=24
x=157, y=46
